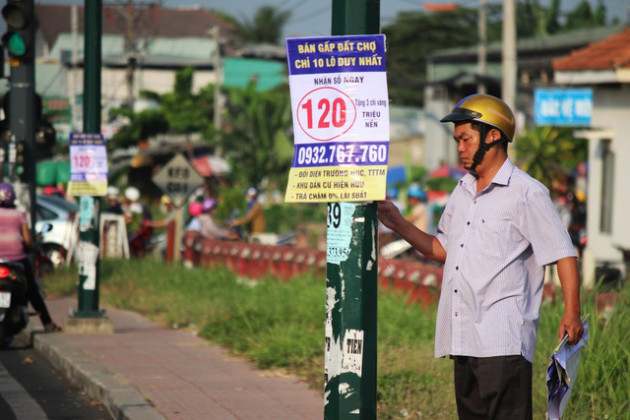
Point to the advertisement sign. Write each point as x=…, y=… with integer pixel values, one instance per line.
x=88, y=164
x=567, y=107
x=340, y=110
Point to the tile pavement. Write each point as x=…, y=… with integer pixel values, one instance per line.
x=144, y=371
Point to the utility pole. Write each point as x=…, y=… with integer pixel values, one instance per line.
x=72, y=85
x=134, y=20
x=218, y=97
x=483, y=41
x=509, y=53
x=351, y=314
x=88, y=317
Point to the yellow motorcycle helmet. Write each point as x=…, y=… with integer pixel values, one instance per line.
x=487, y=109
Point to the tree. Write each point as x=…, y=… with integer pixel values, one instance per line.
x=185, y=111
x=258, y=139
x=535, y=21
x=265, y=28
x=139, y=126
x=414, y=35
x=583, y=16
x=548, y=152
x=179, y=112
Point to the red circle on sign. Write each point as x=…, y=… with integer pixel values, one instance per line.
x=326, y=113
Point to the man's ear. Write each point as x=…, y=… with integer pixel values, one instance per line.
x=494, y=134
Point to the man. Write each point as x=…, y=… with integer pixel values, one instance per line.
x=112, y=198
x=208, y=227
x=138, y=220
x=255, y=217
x=498, y=231
x=419, y=214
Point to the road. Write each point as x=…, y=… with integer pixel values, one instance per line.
x=30, y=388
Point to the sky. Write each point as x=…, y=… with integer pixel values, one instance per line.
x=313, y=17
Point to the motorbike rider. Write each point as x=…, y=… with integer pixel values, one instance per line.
x=418, y=214
x=207, y=226
x=255, y=217
x=15, y=241
x=138, y=221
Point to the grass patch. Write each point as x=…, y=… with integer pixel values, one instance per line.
x=280, y=325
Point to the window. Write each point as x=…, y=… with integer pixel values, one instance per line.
x=45, y=214
x=608, y=167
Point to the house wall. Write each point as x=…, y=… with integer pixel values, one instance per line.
x=114, y=86
x=609, y=122
x=439, y=144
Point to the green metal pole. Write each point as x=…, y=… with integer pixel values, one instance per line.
x=88, y=251
x=351, y=282
x=22, y=123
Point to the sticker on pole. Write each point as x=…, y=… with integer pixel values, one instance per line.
x=340, y=110
x=88, y=165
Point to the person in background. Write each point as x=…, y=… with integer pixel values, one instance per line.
x=207, y=226
x=169, y=209
x=112, y=197
x=418, y=214
x=192, y=233
x=497, y=233
x=255, y=216
x=194, y=210
x=385, y=234
x=138, y=219
x=15, y=241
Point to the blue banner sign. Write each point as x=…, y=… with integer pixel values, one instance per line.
x=567, y=107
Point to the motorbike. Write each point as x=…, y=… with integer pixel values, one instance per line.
x=13, y=300
x=44, y=264
x=14, y=313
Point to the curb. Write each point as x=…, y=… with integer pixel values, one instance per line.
x=121, y=399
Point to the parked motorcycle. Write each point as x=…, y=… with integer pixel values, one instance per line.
x=13, y=300
x=44, y=264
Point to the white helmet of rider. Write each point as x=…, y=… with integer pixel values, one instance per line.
x=132, y=194
x=112, y=192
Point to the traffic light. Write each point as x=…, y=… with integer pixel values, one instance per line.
x=20, y=18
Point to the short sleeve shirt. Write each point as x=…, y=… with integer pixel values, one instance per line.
x=11, y=241
x=497, y=242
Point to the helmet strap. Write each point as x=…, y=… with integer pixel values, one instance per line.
x=483, y=147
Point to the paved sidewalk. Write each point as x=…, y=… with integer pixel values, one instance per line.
x=144, y=371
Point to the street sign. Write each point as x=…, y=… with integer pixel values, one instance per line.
x=177, y=179
x=566, y=107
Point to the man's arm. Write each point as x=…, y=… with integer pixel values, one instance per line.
x=426, y=244
x=29, y=245
x=253, y=212
x=570, y=280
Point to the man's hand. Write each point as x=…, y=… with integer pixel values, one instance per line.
x=389, y=214
x=426, y=244
x=571, y=324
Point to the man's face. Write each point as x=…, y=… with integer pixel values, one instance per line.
x=467, y=139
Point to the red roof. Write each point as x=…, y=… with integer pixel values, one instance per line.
x=608, y=54
x=152, y=22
